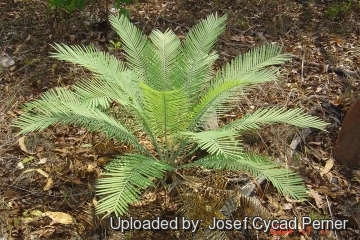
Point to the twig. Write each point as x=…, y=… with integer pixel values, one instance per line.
x=43, y=194
x=340, y=71
x=305, y=132
x=327, y=200
x=302, y=67
x=249, y=188
x=171, y=22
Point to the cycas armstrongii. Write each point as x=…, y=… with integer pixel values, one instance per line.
x=170, y=92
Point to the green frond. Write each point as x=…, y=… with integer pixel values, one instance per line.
x=167, y=112
x=216, y=141
x=64, y=113
x=254, y=60
x=286, y=181
x=52, y=98
x=102, y=93
x=196, y=60
x=195, y=75
x=297, y=117
x=139, y=55
x=239, y=75
x=98, y=92
x=46, y=111
x=102, y=64
x=97, y=121
x=218, y=98
x=250, y=79
x=202, y=37
x=125, y=177
x=95, y=93
x=32, y=123
x=167, y=48
x=248, y=68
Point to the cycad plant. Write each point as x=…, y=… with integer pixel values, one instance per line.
x=169, y=93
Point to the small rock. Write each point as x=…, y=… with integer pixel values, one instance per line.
x=6, y=60
x=347, y=146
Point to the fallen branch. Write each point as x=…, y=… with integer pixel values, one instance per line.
x=340, y=71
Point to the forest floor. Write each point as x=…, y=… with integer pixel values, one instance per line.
x=54, y=171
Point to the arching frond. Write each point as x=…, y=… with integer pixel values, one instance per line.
x=238, y=75
x=286, y=181
x=202, y=37
x=195, y=75
x=52, y=98
x=254, y=60
x=249, y=67
x=218, y=98
x=196, y=60
x=97, y=92
x=57, y=111
x=296, y=117
x=126, y=176
x=139, y=55
x=216, y=142
x=166, y=47
x=102, y=64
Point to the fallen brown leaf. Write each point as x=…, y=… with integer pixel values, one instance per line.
x=329, y=164
x=59, y=217
x=22, y=145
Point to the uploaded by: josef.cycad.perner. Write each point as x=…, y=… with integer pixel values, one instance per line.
x=257, y=223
